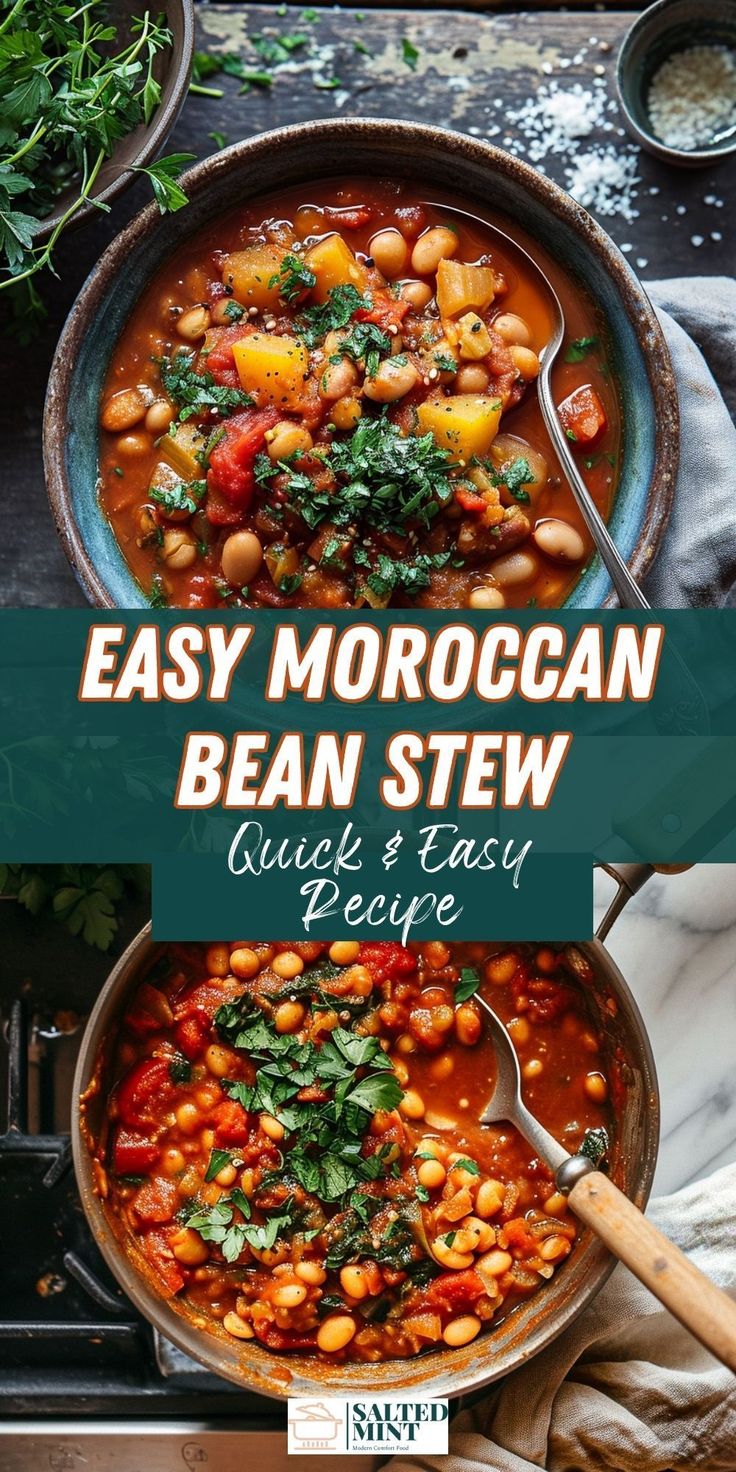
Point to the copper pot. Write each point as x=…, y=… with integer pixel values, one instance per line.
x=444, y=1372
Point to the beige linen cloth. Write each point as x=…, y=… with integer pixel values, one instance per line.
x=625, y=1389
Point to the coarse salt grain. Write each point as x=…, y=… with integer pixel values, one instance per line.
x=692, y=97
x=604, y=181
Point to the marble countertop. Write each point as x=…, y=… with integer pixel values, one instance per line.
x=676, y=946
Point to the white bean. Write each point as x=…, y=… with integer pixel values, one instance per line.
x=515, y=567
x=559, y=540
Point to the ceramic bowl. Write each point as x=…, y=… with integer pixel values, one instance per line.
x=473, y=171
x=661, y=31
x=172, y=70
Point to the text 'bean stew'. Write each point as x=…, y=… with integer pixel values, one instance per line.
x=331, y=404
x=292, y=1146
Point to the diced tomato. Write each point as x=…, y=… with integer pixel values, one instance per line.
x=231, y=1123
x=453, y=1291
x=517, y=1235
x=470, y=500
x=199, y=590
x=133, y=1154
x=231, y=461
x=220, y=361
x=157, y=1200
x=275, y=1338
x=202, y=999
x=144, y=1093
x=582, y=415
x=387, y=960
x=169, y=1276
x=387, y=311
x=192, y=1036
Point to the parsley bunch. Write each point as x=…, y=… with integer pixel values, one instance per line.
x=342, y=303
x=67, y=97
x=82, y=897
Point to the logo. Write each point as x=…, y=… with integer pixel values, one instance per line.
x=335, y=1427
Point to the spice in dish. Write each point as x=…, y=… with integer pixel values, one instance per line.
x=293, y=1152
x=692, y=97
x=328, y=400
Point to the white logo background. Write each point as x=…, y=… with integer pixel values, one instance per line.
x=333, y=1427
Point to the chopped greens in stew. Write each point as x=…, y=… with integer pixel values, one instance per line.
x=332, y=404
x=292, y=1142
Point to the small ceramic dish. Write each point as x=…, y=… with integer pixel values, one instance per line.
x=435, y=157
x=173, y=69
x=661, y=31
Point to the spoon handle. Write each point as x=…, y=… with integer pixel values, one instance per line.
x=627, y=591
x=703, y=1308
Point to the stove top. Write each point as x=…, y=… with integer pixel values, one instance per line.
x=86, y=1382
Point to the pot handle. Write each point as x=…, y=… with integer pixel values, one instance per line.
x=630, y=878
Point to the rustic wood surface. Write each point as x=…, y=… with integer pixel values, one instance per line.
x=465, y=61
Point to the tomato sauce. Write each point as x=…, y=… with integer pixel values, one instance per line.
x=328, y=399
x=293, y=1148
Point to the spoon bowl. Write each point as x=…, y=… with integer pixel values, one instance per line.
x=627, y=590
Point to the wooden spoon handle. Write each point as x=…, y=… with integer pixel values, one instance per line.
x=703, y=1308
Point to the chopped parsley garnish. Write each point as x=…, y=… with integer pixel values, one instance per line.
x=185, y=496
x=217, y=1162
x=326, y=1153
x=468, y=984
x=365, y=343
x=389, y=478
x=579, y=348
x=515, y=476
x=234, y=312
x=158, y=597
x=409, y=54
x=196, y=393
x=409, y=576
x=290, y=583
x=275, y=50
x=470, y=1166
x=444, y=363
x=180, y=1069
x=342, y=303
x=292, y=278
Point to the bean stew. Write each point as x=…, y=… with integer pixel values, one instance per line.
x=328, y=400
x=291, y=1148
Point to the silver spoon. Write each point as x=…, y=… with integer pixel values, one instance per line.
x=705, y=1310
x=627, y=591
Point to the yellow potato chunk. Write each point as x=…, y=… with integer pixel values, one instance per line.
x=180, y=450
x=465, y=424
x=474, y=341
x=460, y=287
x=333, y=264
x=249, y=272
x=272, y=368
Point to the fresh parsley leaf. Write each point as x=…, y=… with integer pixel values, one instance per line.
x=158, y=597
x=409, y=54
x=164, y=174
x=517, y=475
x=579, y=349
x=365, y=343
x=218, y=1160
x=219, y=139
x=468, y=1165
x=180, y=1069
x=234, y=312
x=445, y=363
x=290, y=583
x=185, y=496
x=468, y=984
x=292, y=278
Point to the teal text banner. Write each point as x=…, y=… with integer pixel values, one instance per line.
x=652, y=780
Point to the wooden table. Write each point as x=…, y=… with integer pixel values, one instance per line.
x=466, y=59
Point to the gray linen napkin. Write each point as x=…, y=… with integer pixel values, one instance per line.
x=696, y=565
x=625, y=1389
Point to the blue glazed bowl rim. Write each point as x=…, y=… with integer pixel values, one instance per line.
x=111, y=584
